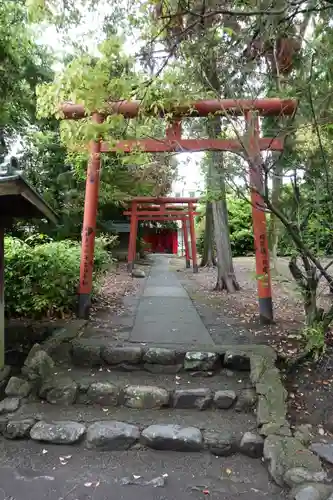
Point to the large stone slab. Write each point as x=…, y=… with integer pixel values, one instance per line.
x=66, y=432
x=172, y=437
x=111, y=435
x=114, y=355
x=145, y=396
x=200, y=398
x=289, y=462
x=168, y=317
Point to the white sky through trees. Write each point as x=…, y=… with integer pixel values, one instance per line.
x=89, y=34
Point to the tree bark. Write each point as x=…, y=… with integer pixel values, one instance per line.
x=208, y=259
x=274, y=223
x=226, y=279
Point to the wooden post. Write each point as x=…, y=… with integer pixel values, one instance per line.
x=259, y=223
x=2, y=296
x=193, y=239
x=132, y=238
x=187, y=253
x=89, y=225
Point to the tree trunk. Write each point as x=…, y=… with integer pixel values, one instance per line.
x=226, y=279
x=274, y=224
x=208, y=251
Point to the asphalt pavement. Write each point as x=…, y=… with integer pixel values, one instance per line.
x=32, y=471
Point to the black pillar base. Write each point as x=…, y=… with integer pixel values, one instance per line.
x=195, y=269
x=188, y=263
x=266, y=311
x=84, y=305
x=130, y=266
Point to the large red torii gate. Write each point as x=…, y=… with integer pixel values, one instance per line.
x=173, y=142
x=159, y=209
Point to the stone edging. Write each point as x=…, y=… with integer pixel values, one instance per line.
x=111, y=435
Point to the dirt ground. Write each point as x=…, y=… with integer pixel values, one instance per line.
x=309, y=384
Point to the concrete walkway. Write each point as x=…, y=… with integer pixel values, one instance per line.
x=166, y=314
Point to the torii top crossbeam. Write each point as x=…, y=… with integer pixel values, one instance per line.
x=236, y=107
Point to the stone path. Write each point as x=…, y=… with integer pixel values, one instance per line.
x=136, y=389
x=166, y=314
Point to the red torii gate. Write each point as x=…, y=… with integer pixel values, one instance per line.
x=173, y=142
x=142, y=209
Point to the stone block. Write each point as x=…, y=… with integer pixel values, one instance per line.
x=201, y=361
x=224, y=399
x=235, y=361
x=19, y=429
x=114, y=355
x=220, y=443
x=145, y=396
x=200, y=398
x=246, y=400
x=252, y=445
x=138, y=273
x=172, y=437
x=111, y=435
x=160, y=356
x=103, y=393
x=86, y=352
x=9, y=405
x=18, y=387
x=65, y=432
x=38, y=364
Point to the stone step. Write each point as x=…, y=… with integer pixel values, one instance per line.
x=101, y=351
x=225, y=390
x=122, y=428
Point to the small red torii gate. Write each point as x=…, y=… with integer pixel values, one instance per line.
x=142, y=209
x=173, y=142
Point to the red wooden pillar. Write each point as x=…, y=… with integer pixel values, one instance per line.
x=187, y=253
x=132, y=238
x=193, y=239
x=89, y=224
x=259, y=223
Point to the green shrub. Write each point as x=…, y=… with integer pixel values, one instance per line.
x=42, y=280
